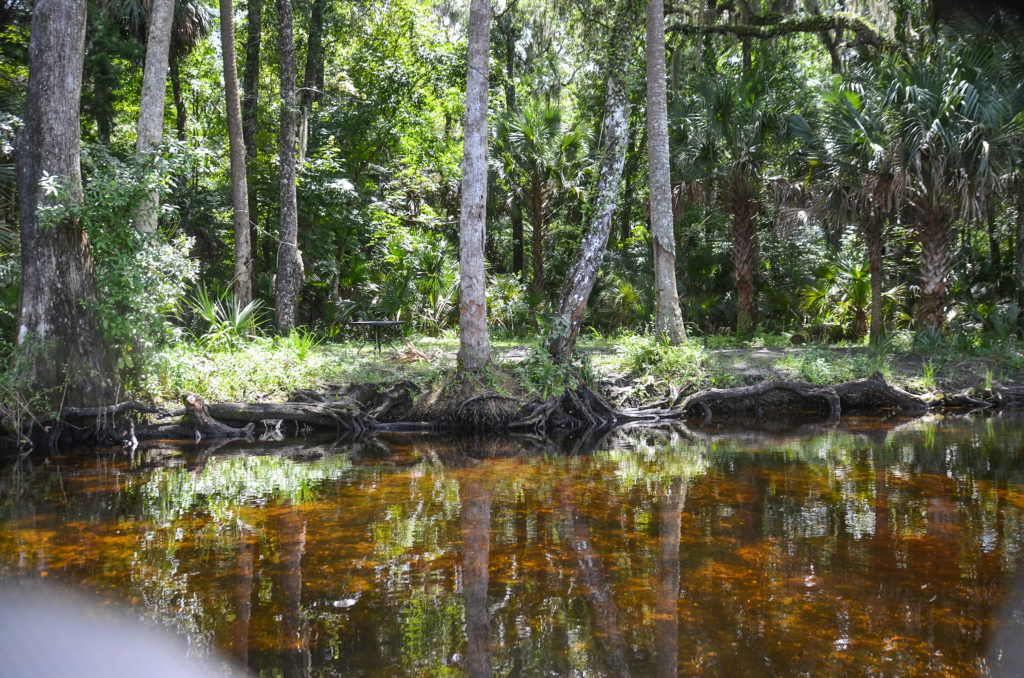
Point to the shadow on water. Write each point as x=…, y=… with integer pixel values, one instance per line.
x=763, y=547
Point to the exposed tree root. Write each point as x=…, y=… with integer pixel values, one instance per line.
x=875, y=394
x=774, y=397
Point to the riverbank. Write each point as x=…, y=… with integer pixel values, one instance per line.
x=629, y=370
x=288, y=386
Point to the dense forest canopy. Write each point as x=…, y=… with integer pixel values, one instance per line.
x=836, y=170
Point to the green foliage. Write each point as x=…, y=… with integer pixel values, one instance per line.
x=139, y=278
x=540, y=374
x=224, y=324
x=658, y=361
x=507, y=305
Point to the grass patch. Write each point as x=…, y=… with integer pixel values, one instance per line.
x=823, y=366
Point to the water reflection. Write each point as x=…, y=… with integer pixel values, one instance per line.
x=846, y=549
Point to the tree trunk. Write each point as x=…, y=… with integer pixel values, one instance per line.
x=742, y=203
x=290, y=274
x=993, y=245
x=476, y=548
x=474, y=344
x=936, y=258
x=872, y=231
x=58, y=291
x=250, y=100
x=180, y=112
x=151, y=105
x=668, y=318
x=537, y=234
x=561, y=338
x=314, y=76
x=239, y=188
x=517, y=241
x=1018, y=262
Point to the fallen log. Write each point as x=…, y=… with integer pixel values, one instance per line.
x=205, y=425
x=337, y=415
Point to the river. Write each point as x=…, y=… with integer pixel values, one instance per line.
x=859, y=548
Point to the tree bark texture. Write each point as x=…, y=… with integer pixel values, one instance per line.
x=474, y=344
x=236, y=143
x=250, y=99
x=741, y=202
x=537, y=233
x=58, y=291
x=476, y=549
x=936, y=259
x=290, y=273
x=871, y=230
x=313, y=79
x=668, y=320
x=1018, y=261
x=561, y=338
x=151, y=106
x=517, y=240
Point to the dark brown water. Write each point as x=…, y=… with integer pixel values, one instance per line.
x=857, y=550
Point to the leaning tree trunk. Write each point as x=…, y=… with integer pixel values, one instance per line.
x=151, y=105
x=290, y=272
x=872, y=232
x=474, y=344
x=741, y=201
x=58, y=291
x=936, y=259
x=313, y=79
x=561, y=338
x=250, y=100
x=239, y=188
x=668, y=319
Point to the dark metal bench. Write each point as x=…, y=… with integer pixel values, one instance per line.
x=383, y=331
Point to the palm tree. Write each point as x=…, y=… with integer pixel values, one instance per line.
x=950, y=111
x=851, y=163
x=726, y=138
x=545, y=162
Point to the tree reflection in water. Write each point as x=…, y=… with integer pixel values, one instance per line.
x=849, y=550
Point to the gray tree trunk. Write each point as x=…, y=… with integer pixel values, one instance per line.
x=250, y=125
x=561, y=338
x=474, y=344
x=58, y=291
x=236, y=143
x=314, y=76
x=151, y=105
x=668, y=320
x=290, y=274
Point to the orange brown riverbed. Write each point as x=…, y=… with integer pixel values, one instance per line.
x=867, y=548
